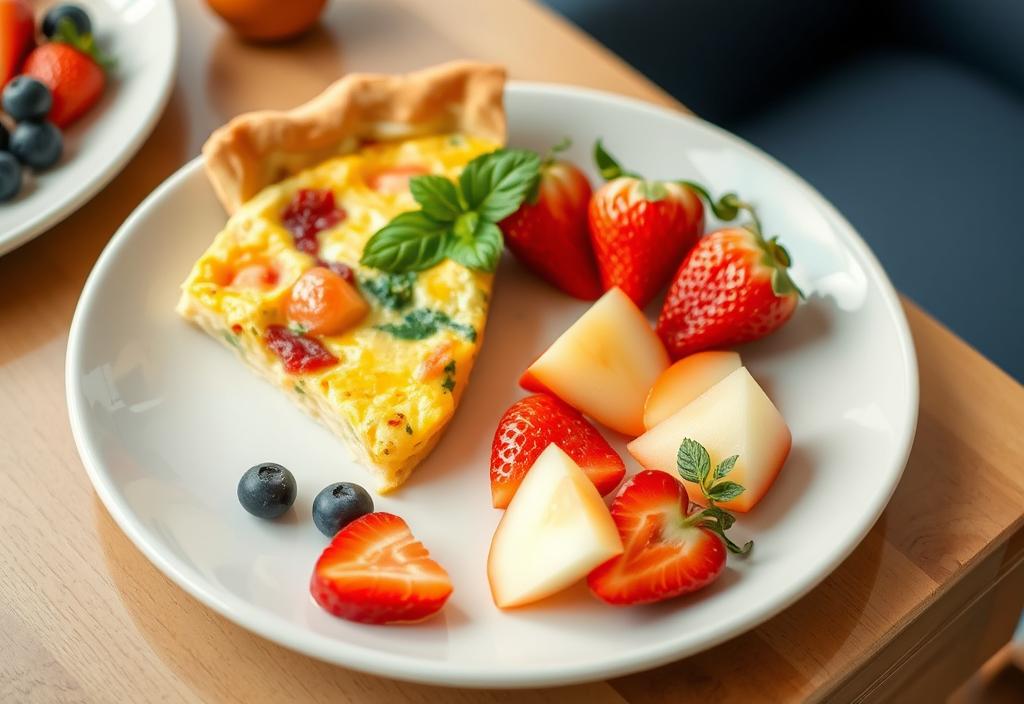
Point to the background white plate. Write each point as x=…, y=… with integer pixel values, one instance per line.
x=167, y=420
x=142, y=36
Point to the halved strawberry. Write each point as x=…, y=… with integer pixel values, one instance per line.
x=529, y=426
x=668, y=551
x=375, y=571
x=549, y=232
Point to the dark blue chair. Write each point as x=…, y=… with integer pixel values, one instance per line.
x=908, y=115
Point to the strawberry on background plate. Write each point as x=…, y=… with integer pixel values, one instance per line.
x=668, y=550
x=641, y=228
x=529, y=426
x=17, y=34
x=549, y=231
x=73, y=69
x=733, y=287
x=375, y=571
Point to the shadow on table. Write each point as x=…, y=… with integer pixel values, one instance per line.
x=40, y=274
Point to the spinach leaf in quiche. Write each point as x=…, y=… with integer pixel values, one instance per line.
x=393, y=291
x=421, y=323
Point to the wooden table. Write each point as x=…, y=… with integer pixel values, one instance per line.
x=933, y=590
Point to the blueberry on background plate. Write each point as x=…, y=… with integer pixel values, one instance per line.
x=79, y=18
x=338, y=505
x=26, y=98
x=37, y=144
x=10, y=176
x=267, y=490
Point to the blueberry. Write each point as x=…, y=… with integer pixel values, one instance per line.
x=26, y=98
x=267, y=490
x=338, y=505
x=10, y=176
x=37, y=144
x=79, y=18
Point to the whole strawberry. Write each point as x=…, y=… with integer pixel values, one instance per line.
x=733, y=287
x=549, y=231
x=72, y=68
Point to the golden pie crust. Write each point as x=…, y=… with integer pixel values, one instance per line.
x=257, y=149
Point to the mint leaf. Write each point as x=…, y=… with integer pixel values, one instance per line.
x=693, y=461
x=481, y=250
x=411, y=242
x=393, y=291
x=495, y=185
x=724, y=491
x=437, y=196
x=725, y=466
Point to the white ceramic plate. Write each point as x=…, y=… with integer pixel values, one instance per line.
x=142, y=36
x=167, y=420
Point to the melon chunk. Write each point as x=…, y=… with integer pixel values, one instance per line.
x=555, y=531
x=604, y=364
x=733, y=417
x=686, y=380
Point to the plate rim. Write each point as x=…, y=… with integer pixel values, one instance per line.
x=33, y=227
x=414, y=669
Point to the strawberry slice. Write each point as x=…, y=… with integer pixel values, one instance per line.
x=375, y=571
x=668, y=551
x=529, y=426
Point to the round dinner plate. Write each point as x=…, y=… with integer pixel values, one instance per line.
x=166, y=421
x=142, y=37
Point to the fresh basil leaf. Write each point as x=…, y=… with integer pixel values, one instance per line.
x=411, y=242
x=725, y=491
x=393, y=291
x=482, y=250
x=495, y=184
x=725, y=466
x=693, y=461
x=437, y=196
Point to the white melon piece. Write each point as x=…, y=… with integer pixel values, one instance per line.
x=605, y=363
x=686, y=380
x=733, y=417
x=554, y=532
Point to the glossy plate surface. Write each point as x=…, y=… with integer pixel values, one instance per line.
x=142, y=36
x=167, y=420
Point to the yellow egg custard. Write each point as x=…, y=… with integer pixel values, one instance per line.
x=386, y=368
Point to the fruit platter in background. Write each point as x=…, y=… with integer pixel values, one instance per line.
x=52, y=73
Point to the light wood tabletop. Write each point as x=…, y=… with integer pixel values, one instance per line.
x=934, y=589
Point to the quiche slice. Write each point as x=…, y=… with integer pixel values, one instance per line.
x=305, y=190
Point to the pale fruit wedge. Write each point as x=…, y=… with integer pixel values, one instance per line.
x=733, y=417
x=604, y=364
x=686, y=380
x=555, y=531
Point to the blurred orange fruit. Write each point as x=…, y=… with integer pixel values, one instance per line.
x=268, y=20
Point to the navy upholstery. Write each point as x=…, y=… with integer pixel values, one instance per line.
x=908, y=115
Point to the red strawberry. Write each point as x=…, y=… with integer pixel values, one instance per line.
x=375, y=571
x=549, y=233
x=640, y=229
x=533, y=423
x=17, y=34
x=733, y=287
x=668, y=551
x=73, y=69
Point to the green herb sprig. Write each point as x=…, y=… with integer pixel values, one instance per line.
x=456, y=221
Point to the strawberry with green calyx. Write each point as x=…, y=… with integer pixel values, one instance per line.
x=548, y=232
x=669, y=551
x=73, y=68
x=641, y=229
x=456, y=220
x=733, y=287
